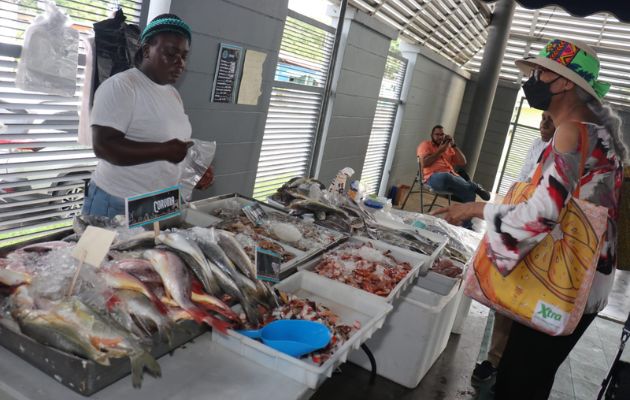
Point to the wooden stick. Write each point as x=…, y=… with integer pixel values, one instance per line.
x=156, y=228
x=76, y=274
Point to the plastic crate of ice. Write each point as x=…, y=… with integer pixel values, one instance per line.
x=419, y=265
x=414, y=335
x=349, y=303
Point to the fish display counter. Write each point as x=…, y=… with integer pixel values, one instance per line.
x=293, y=238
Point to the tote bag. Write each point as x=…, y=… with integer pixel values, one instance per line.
x=547, y=290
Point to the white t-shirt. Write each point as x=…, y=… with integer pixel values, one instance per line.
x=144, y=111
x=531, y=160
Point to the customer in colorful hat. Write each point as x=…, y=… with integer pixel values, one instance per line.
x=563, y=80
x=139, y=128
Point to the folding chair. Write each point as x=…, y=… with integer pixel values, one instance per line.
x=420, y=180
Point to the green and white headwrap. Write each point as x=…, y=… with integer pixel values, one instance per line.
x=166, y=24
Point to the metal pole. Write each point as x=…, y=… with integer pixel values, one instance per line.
x=488, y=79
x=327, y=90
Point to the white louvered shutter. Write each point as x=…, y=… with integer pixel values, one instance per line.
x=42, y=167
x=456, y=29
x=296, y=103
x=532, y=29
x=383, y=125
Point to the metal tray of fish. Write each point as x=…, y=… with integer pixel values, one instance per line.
x=231, y=201
x=212, y=203
x=85, y=376
x=437, y=242
x=350, y=304
x=419, y=265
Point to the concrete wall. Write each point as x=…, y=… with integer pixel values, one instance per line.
x=362, y=56
x=434, y=97
x=238, y=129
x=496, y=132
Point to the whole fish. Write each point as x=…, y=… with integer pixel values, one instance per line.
x=222, y=269
x=313, y=206
x=177, y=284
x=134, y=311
x=211, y=303
x=51, y=330
x=138, y=267
x=118, y=279
x=236, y=253
x=193, y=257
x=107, y=336
x=144, y=239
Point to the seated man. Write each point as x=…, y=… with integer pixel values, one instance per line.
x=438, y=158
x=547, y=129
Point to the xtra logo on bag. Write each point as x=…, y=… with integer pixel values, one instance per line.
x=547, y=314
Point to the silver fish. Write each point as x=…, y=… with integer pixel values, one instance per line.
x=138, y=314
x=225, y=272
x=141, y=240
x=235, y=252
x=194, y=258
x=177, y=283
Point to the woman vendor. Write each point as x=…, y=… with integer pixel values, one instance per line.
x=139, y=128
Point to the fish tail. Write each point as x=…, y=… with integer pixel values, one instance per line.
x=217, y=324
x=253, y=316
x=140, y=361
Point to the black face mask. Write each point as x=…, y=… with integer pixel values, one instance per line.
x=538, y=93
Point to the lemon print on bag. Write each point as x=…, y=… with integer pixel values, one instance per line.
x=551, y=272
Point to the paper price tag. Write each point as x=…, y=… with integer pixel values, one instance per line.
x=268, y=265
x=93, y=245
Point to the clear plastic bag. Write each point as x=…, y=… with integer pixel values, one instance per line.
x=50, y=54
x=195, y=166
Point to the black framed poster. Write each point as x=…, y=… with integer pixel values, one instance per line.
x=227, y=74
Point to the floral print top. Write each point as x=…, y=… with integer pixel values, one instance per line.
x=513, y=230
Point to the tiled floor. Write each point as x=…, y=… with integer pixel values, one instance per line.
x=579, y=377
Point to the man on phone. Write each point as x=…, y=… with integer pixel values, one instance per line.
x=439, y=157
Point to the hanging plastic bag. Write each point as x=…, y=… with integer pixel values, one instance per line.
x=196, y=166
x=50, y=55
x=116, y=43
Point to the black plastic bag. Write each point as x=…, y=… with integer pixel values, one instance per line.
x=116, y=43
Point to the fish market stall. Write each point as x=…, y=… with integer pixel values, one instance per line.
x=158, y=291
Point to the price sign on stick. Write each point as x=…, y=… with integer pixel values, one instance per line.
x=91, y=249
x=267, y=265
x=152, y=207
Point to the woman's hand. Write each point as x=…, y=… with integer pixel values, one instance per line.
x=456, y=214
x=206, y=180
x=175, y=150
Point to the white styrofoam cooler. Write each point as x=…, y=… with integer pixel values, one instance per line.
x=349, y=303
x=416, y=332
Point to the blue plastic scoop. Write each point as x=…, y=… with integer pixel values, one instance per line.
x=294, y=337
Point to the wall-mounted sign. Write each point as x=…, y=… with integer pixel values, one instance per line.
x=153, y=207
x=227, y=74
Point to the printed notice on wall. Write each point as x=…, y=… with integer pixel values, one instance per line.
x=250, y=88
x=227, y=74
